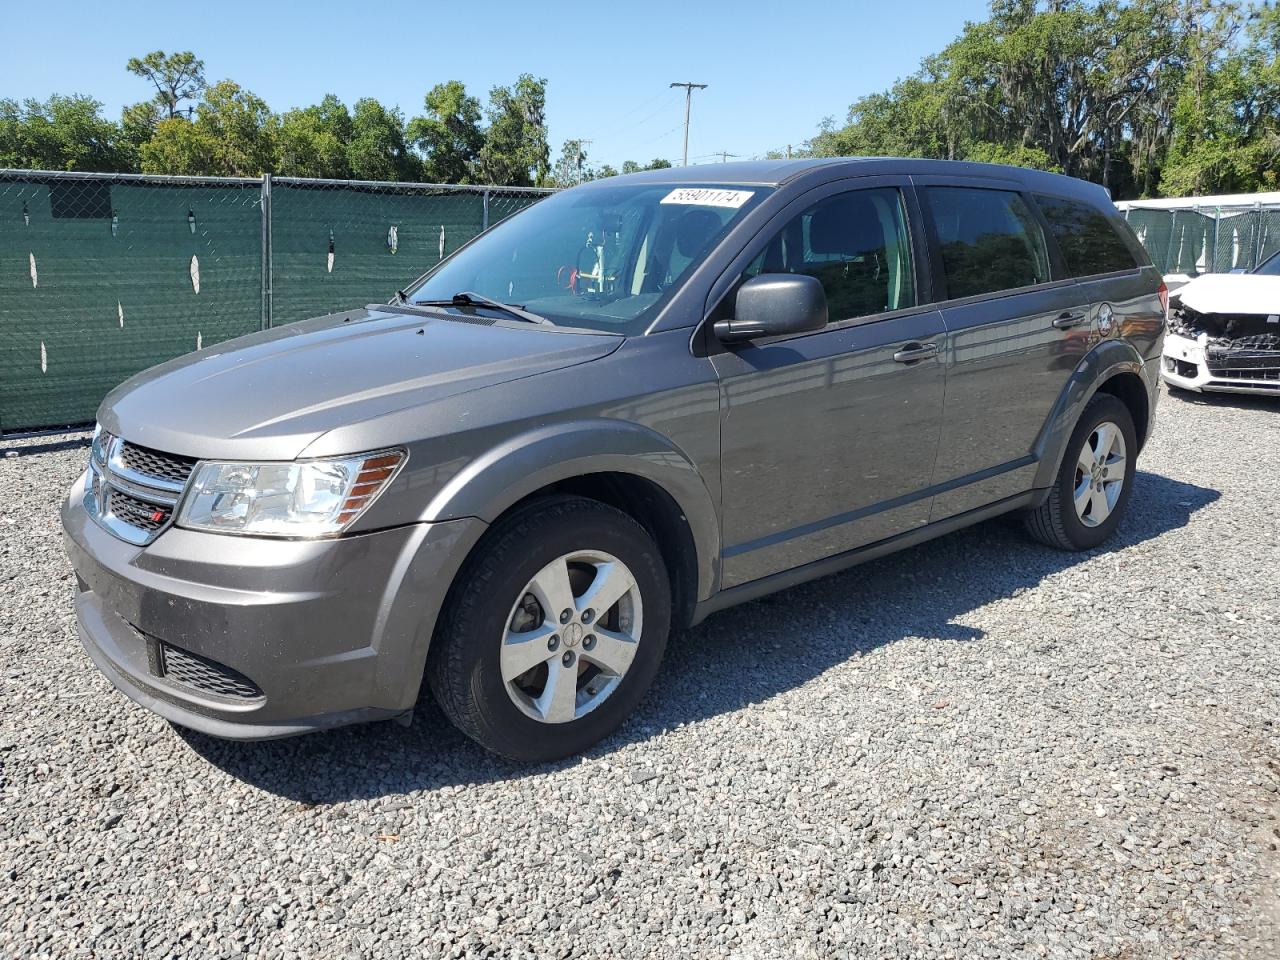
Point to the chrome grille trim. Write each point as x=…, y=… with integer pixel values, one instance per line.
x=114, y=477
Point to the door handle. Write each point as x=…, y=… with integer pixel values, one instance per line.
x=1068, y=320
x=916, y=351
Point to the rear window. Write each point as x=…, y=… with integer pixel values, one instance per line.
x=989, y=240
x=1090, y=242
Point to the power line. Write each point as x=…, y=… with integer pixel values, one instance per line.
x=688, y=103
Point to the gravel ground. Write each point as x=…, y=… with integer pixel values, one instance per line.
x=977, y=748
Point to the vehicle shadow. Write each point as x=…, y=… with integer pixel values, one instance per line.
x=742, y=656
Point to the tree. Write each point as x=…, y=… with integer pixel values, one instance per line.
x=1227, y=116
x=61, y=133
x=571, y=169
x=378, y=149
x=630, y=166
x=448, y=136
x=234, y=134
x=314, y=141
x=176, y=77
x=515, y=151
x=1081, y=86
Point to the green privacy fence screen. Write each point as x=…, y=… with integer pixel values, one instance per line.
x=105, y=275
x=1201, y=235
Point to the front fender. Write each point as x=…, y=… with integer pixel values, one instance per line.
x=496, y=480
x=1106, y=360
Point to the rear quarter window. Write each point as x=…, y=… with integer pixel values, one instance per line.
x=1089, y=241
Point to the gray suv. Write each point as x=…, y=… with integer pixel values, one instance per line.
x=633, y=404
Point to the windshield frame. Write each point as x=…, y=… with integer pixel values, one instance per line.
x=646, y=319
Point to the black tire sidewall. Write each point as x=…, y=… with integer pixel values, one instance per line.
x=504, y=569
x=1101, y=408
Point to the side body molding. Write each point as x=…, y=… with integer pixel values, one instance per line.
x=1104, y=361
x=502, y=476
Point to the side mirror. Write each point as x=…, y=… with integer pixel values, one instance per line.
x=775, y=304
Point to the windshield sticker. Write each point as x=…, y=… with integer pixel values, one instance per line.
x=704, y=197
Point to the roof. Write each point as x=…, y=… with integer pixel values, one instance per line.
x=774, y=173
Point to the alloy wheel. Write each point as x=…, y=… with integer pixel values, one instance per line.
x=1100, y=473
x=571, y=636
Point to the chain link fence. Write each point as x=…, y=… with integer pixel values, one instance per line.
x=1201, y=235
x=103, y=275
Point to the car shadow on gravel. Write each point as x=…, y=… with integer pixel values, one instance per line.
x=741, y=656
x=1242, y=401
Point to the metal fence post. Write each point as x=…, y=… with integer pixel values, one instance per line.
x=1257, y=235
x=266, y=251
x=484, y=220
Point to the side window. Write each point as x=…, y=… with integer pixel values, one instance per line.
x=989, y=240
x=856, y=244
x=1088, y=240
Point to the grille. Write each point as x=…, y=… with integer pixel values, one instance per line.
x=1273, y=374
x=153, y=463
x=200, y=673
x=137, y=513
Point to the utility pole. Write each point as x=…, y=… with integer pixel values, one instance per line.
x=724, y=156
x=582, y=155
x=688, y=101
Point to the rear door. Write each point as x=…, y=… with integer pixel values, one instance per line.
x=1016, y=329
x=828, y=438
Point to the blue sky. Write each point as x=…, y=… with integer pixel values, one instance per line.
x=774, y=69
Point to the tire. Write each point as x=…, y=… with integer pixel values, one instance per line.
x=520, y=716
x=1059, y=522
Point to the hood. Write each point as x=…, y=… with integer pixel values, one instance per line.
x=1232, y=293
x=267, y=396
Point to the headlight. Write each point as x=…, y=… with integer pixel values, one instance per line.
x=313, y=498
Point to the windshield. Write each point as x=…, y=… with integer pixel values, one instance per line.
x=1270, y=267
x=601, y=257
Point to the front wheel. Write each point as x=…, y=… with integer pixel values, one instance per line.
x=1092, y=488
x=553, y=631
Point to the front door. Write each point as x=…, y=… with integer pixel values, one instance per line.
x=828, y=438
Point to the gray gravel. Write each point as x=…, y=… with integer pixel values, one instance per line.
x=978, y=748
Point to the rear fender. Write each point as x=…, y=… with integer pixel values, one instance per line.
x=1108, y=359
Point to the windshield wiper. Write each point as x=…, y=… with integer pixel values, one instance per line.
x=468, y=299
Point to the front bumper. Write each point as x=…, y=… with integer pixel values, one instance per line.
x=251, y=638
x=1186, y=364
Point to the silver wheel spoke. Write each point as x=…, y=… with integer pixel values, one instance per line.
x=552, y=590
x=1099, y=508
x=1106, y=434
x=559, y=699
x=612, y=653
x=521, y=652
x=611, y=584
x=1086, y=461
x=1082, y=496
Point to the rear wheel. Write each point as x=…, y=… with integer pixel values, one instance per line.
x=1092, y=488
x=553, y=631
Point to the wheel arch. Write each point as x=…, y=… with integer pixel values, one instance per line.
x=625, y=465
x=1113, y=367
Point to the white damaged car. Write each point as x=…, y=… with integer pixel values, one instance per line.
x=1224, y=332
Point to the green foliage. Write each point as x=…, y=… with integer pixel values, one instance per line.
x=449, y=135
x=515, y=151
x=1227, y=116
x=1122, y=92
x=314, y=140
x=176, y=77
x=61, y=133
x=234, y=134
x=378, y=149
